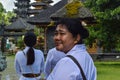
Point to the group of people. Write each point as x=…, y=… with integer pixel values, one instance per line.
x=69, y=60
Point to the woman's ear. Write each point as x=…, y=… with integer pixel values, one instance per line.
x=77, y=39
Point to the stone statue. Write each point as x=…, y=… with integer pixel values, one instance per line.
x=3, y=62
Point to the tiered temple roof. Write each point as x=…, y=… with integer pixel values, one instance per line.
x=39, y=5
x=19, y=25
x=44, y=16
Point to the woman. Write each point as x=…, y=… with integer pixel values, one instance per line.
x=29, y=63
x=68, y=38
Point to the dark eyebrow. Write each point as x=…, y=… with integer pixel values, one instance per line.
x=58, y=30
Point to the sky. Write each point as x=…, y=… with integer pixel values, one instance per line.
x=9, y=4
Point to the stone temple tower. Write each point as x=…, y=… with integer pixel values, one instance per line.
x=22, y=7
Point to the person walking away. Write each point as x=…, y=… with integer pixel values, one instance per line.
x=29, y=63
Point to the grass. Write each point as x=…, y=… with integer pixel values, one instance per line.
x=105, y=70
x=108, y=70
x=9, y=71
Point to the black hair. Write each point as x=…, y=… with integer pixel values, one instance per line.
x=30, y=41
x=74, y=26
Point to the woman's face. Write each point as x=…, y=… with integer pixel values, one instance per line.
x=64, y=40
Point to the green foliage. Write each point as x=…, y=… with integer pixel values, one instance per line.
x=116, y=11
x=1, y=8
x=93, y=32
x=5, y=16
x=9, y=16
x=20, y=43
x=107, y=9
x=107, y=13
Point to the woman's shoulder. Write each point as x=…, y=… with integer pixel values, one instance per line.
x=64, y=60
x=19, y=53
x=67, y=62
x=38, y=51
x=54, y=51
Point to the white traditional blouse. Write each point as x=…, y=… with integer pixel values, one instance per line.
x=66, y=69
x=22, y=68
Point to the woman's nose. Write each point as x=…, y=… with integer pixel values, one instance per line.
x=56, y=37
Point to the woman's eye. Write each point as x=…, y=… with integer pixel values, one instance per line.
x=62, y=33
x=55, y=33
x=59, y=33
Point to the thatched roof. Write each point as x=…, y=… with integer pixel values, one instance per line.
x=13, y=34
x=48, y=1
x=44, y=16
x=35, y=11
x=38, y=4
x=19, y=25
x=84, y=14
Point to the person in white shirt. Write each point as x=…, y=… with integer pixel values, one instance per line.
x=53, y=57
x=68, y=38
x=29, y=63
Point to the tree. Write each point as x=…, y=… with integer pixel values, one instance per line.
x=8, y=16
x=107, y=13
x=1, y=12
x=5, y=16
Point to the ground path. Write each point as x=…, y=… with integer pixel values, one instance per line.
x=9, y=72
